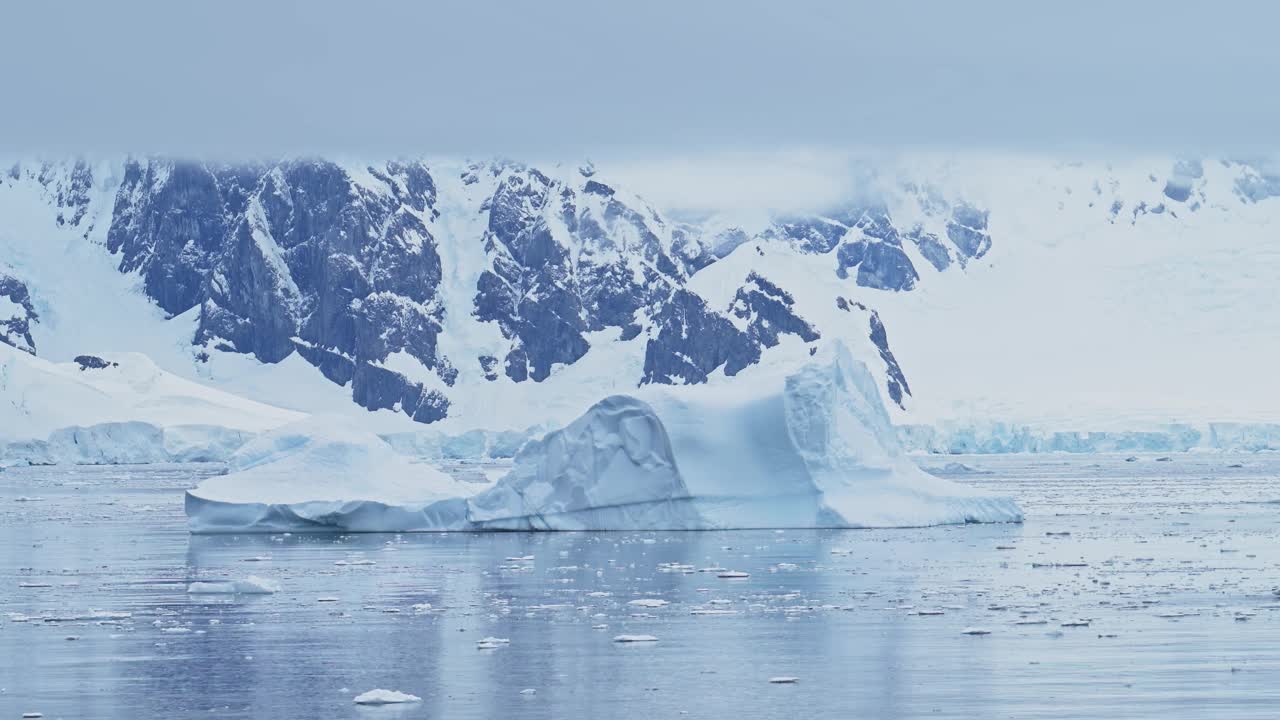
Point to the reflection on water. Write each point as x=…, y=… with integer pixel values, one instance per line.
x=1157, y=603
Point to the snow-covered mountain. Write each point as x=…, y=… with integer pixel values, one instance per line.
x=499, y=295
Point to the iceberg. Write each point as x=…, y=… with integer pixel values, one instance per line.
x=322, y=474
x=812, y=448
x=380, y=696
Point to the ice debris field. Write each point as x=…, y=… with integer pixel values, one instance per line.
x=1132, y=589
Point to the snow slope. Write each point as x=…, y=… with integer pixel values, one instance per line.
x=127, y=411
x=1109, y=306
x=1012, y=295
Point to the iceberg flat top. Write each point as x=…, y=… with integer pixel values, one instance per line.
x=326, y=459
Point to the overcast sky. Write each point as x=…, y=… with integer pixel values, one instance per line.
x=579, y=77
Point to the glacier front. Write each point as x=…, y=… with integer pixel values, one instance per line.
x=811, y=448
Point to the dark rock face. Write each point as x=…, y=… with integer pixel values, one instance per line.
x=769, y=313
x=813, y=234
x=868, y=246
x=895, y=380
x=170, y=223
x=886, y=267
x=967, y=230
x=67, y=185
x=15, y=323
x=1258, y=183
x=692, y=340
x=568, y=260
x=93, y=362
x=930, y=247
x=875, y=249
x=71, y=191
x=340, y=265
x=298, y=255
x=1183, y=180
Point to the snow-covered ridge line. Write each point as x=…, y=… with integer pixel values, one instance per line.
x=411, y=284
x=502, y=296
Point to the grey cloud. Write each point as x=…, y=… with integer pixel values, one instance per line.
x=582, y=77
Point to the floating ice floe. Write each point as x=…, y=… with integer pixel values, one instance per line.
x=634, y=639
x=251, y=585
x=385, y=697
x=812, y=448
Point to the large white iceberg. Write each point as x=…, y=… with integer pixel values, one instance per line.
x=325, y=474
x=810, y=449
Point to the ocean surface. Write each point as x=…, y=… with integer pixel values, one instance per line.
x=1135, y=589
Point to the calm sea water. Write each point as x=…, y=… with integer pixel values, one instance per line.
x=1134, y=589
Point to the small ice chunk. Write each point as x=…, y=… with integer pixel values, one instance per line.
x=784, y=680
x=634, y=638
x=648, y=602
x=528, y=691
x=975, y=631
x=385, y=697
x=733, y=574
x=252, y=585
